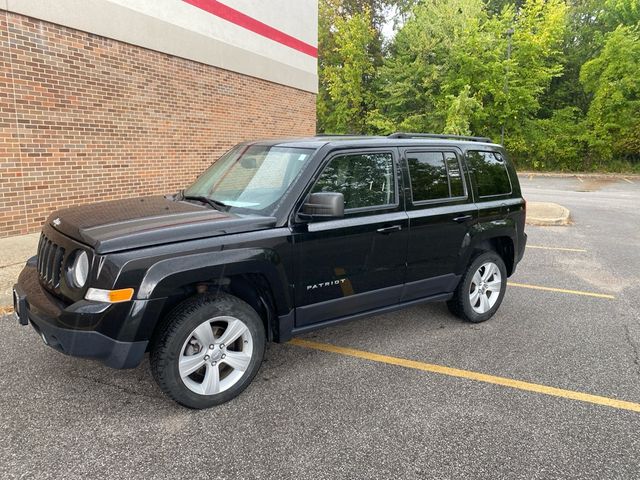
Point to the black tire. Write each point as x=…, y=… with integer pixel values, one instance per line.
x=177, y=328
x=460, y=303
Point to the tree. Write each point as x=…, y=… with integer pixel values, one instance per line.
x=328, y=13
x=343, y=25
x=460, y=112
x=567, y=96
x=448, y=69
x=348, y=83
x=613, y=78
x=422, y=58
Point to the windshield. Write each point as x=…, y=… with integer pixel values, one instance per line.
x=250, y=178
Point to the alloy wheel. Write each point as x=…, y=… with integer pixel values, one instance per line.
x=485, y=287
x=215, y=356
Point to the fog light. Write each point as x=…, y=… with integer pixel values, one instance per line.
x=109, y=296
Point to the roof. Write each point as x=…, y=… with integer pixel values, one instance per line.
x=396, y=139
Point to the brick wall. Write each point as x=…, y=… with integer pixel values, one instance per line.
x=85, y=118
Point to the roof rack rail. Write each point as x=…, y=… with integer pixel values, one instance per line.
x=437, y=135
x=337, y=135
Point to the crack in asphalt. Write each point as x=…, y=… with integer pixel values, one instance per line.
x=12, y=264
x=634, y=348
x=116, y=386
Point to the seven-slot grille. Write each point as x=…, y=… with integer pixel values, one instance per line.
x=50, y=258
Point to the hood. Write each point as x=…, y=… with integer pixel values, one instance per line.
x=147, y=221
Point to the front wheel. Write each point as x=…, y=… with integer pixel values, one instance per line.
x=208, y=350
x=481, y=289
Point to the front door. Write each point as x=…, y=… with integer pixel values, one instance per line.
x=356, y=263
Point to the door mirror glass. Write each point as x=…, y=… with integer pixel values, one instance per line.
x=323, y=205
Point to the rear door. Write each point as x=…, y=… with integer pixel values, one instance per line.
x=356, y=263
x=441, y=213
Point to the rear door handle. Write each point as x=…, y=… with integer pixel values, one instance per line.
x=463, y=218
x=387, y=230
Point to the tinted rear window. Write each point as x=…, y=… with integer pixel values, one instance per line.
x=490, y=172
x=434, y=175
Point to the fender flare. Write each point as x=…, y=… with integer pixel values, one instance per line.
x=484, y=232
x=163, y=278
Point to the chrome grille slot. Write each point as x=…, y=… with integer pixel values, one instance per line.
x=50, y=258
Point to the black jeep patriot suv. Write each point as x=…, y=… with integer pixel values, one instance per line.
x=275, y=239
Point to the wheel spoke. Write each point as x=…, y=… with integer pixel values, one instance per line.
x=204, y=335
x=235, y=328
x=190, y=363
x=238, y=360
x=211, y=382
x=477, y=279
x=473, y=298
x=489, y=269
x=495, y=273
x=494, y=286
x=484, y=303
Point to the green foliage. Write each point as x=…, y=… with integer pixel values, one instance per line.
x=620, y=12
x=613, y=78
x=350, y=53
x=555, y=143
x=460, y=112
x=560, y=76
x=432, y=60
x=348, y=83
x=448, y=70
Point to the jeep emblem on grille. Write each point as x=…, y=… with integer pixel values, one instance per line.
x=56, y=222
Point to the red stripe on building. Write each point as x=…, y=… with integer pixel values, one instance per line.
x=245, y=21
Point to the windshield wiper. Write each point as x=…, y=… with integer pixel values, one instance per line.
x=217, y=204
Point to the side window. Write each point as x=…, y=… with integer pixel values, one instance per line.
x=365, y=179
x=455, y=175
x=435, y=175
x=490, y=173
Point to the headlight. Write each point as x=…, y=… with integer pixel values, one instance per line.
x=79, y=270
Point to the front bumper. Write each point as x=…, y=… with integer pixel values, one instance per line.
x=116, y=334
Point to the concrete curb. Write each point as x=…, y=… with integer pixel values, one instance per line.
x=547, y=214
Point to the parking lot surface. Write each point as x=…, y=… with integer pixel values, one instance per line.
x=316, y=411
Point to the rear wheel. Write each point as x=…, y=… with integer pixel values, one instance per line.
x=208, y=350
x=481, y=289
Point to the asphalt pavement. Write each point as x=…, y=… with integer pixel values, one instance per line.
x=316, y=414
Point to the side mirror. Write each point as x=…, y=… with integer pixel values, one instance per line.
x=323, y=205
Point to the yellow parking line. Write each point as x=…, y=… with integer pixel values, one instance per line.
x=563, y=249
x=470, y=375
x=561, y=290
x=627, y=180
x=581, y=181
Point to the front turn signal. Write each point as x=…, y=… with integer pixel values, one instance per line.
x=109, y=296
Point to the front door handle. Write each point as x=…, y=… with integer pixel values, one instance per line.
x=387, y=230
x=463, y=218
